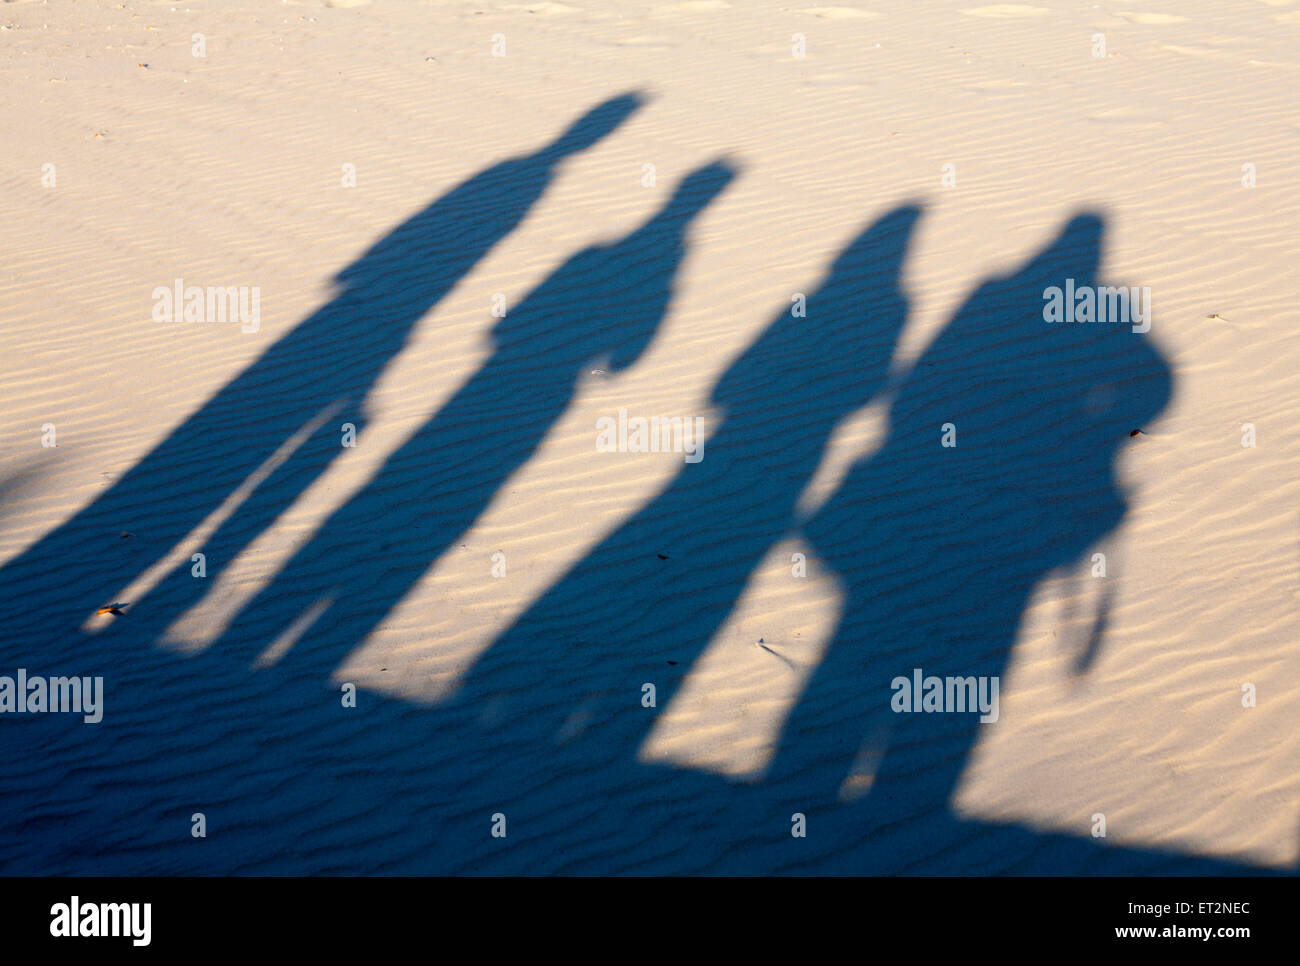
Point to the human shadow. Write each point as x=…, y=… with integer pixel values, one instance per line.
x=602, y=307
x=939, y=548
x=282, y=414
x=645, y=602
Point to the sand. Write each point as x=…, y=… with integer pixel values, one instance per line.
x=474, y=231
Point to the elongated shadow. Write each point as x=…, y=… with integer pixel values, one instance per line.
x=938, y=550
x=321, y=370
x=643, y=605
x=940, y=546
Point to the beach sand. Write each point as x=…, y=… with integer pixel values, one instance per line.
x=474, y=231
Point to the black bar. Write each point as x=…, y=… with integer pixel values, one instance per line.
x=334, y=915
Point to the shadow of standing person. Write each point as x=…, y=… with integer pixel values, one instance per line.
x=175, y=733
x=623, y=616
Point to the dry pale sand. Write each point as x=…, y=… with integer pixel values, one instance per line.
x=984, y=149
